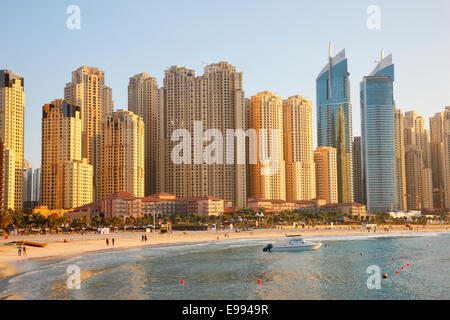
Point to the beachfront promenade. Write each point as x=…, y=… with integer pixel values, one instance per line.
x=188, y=235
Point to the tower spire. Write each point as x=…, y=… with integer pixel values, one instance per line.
x=382, y=54
x=330, y=50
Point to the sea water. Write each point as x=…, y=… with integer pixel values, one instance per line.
x=232, y=270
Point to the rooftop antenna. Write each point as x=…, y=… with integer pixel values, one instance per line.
x=382, y=54
x=330, y=50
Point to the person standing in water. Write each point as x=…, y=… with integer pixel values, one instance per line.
x=107, y=242
x=24, y=251
x=113, y=242
x=19, y=250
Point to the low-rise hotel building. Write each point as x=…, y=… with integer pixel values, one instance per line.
x=353, y=208
x=46, y=212
x=271, y=205
x=124, y=204
x=316, y=205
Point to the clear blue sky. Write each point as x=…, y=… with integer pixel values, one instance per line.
x=279, y=45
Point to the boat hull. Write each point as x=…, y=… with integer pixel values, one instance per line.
x=296, y=248
x=30, y=244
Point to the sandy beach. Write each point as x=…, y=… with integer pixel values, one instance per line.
x=11, y=263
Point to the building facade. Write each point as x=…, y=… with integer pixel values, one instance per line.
x=28, y=186
x=334, y=119
x=437, y=133
x=378, y=137
x=124, y=204
x=61, y=181
x=9, y=178
x=2, y=174
x=143, y=101
x=354, y=209
x=358, y=188
x=325, y=159
x=122, y=154
x=37, y=185
x=12, y=113
x=278, y=206
x=88, y=91
x=298, y=149
x=27, y=181
x=419, y=185
x=214, y=101
x=447, y=157
x=400, y=160
x=267, y=176
x=77, y=183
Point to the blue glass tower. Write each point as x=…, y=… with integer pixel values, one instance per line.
x=333, y=95
x=378, y=137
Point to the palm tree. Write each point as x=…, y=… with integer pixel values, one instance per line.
x=97, y=221
x=422, y=220
x=115, y=221
x=6, y=217
x=52, y=222
x=25, y=221
x=63, y=220
x=76, y=223
x=84, y=221
x=38, y=219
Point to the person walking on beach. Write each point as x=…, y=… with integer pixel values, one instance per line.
x=145, y=238
x=24, y=251
x=19, y=250
x=107, y=242
x=113, y=242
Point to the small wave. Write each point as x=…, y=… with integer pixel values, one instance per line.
x=372, y=236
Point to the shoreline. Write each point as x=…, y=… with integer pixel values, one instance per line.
x=78, y=245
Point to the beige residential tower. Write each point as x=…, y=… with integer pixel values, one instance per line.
x=12, y=112
x=326, y=174
x=298, y=149
x=122, y=154
x=66, y=177
x=267, y=114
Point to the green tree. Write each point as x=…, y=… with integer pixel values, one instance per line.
x=53, y=222
x=423, y=220
x=115, y=222
x=25, y=220
x=6, y=217
x=97, y=221
x=38, y=220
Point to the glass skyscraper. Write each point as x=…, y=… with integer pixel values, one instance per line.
x=334, y=119
x=378, y=137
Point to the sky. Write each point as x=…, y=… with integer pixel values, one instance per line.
x=279, y=45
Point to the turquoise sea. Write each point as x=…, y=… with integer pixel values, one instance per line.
x=232, y=270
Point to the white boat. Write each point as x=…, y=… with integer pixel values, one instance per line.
x=297, y=244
